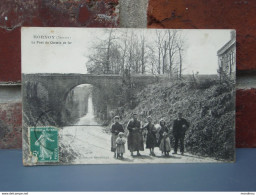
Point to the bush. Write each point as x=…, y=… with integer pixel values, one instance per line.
x=207, y=83
x=209, y=107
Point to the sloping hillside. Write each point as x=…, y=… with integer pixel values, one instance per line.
x=207, y=105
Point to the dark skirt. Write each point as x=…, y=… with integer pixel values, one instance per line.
x=135, y=141
x=151, y=141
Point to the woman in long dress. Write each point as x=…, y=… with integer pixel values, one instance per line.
x=151, y=141
x=135, y=137
x=164, y=140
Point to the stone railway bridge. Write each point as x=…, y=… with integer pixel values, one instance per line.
x=56, y=87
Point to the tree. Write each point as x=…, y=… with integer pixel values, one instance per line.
x=159, y=40
x=131, y=50
x=143, y=53
x=164, y=53
x=123, y=47
x=172, y=48
x=105, y=57
x=168, y=44
x=180, y=46
x=109, y=43
x=152, y=60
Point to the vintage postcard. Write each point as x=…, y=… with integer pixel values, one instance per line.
x=112, y=96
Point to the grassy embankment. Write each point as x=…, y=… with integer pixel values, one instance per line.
x=204, y=102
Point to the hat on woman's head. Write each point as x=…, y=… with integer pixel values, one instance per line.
x=121, y=133
x=116, y=117
x=162, y=120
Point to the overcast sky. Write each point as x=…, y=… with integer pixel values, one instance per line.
x=200, y=54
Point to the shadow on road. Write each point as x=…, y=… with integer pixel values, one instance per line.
x=126, y=160
x=142, y=157
x=191, y=156
x=168, y=157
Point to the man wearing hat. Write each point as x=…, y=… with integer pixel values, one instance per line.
x=115, y=130
x=135, y=138
x=180, y=126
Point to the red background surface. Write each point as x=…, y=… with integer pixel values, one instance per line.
x=10, y=122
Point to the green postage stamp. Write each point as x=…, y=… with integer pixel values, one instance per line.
x=44, y=143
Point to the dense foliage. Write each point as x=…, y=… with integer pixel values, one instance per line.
x=208, y=105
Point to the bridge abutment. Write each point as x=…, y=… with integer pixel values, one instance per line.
x=49, y=93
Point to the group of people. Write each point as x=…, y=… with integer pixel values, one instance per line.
x=135, y=136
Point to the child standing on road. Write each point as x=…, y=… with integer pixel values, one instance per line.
x=165, y=145
x=120, y=145
x=164, y=140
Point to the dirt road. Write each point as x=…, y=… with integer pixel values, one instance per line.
x=92, y=145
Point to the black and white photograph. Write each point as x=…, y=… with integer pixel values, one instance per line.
x=124, y=96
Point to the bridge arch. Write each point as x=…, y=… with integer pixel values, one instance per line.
x=59, y=85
